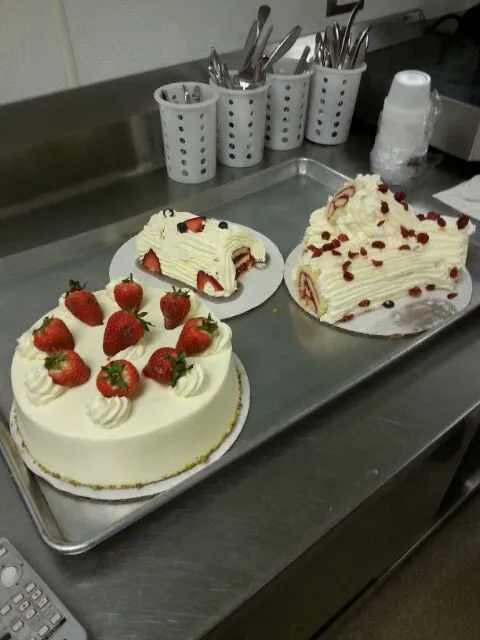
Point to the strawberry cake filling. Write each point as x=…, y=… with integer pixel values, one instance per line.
x=201, y=252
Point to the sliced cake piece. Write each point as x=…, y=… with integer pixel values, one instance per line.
x=368, y=247
x=203, y=253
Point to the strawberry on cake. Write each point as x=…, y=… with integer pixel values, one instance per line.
x=368, y=247
x=125, y=386
x=203, y=253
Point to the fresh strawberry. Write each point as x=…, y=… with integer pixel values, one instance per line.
x=166, y=366
x=196, y=335
x=175, y=306
x=66, y=368
x=124, y=329
x=118, y=378
x=128, y=294
x=203, y=279
x=151, y=262
x=83, y=304
x=53, y=334
x=196, y=224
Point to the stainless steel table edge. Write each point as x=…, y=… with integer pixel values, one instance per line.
x=49, y=531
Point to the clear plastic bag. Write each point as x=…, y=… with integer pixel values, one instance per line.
x=401, y=154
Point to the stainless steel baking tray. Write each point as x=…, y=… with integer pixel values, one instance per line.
x=295, y=364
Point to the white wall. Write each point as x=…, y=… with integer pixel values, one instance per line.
x=51, y=45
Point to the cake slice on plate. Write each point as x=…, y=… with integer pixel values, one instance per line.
x=206, y=254
x=367, y=247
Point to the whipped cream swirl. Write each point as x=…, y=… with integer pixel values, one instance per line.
x=27, y=349
x=221, y=339
x=108, y=412
x=134, y=352
x=40, y=387
x=191, y=383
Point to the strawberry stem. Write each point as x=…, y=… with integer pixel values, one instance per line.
x=129, y=278
x=74, y=285
x=180, y=368
x=43, y=327
x=208, y=324
x=140, y=316
x=180, y=292
x=114, y=373
x=55, y=360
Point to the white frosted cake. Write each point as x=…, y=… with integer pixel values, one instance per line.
x=206, y=254
x=79, y=435
x=367, y=247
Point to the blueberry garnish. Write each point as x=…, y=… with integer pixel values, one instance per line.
x=182, y=227
x=223, y=225
x=168, y=213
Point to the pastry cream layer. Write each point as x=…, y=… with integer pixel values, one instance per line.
x=212, y=251
x=381, y=251
x=164, y=432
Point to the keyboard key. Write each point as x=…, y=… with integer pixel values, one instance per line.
x=25, y=604
x=18, y=598
x=3, y=551
x=30, y=587
x=42, y=602
x=4, y=610
x=17, y=626
x=36, y=594
x=43, y=630
x=56, y=618
x=30, y=613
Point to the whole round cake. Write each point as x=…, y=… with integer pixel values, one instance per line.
x=125, y=386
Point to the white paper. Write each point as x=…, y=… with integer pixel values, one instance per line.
x=149, y=489
x=465, y=197
x=410, y=316
x=255, y=286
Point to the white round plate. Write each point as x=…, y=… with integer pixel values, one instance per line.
x=255, y=286
x=409, y=316
x=153, y=488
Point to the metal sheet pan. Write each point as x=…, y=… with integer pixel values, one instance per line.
x=295, y=365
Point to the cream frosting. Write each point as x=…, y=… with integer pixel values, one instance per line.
x=222, y=338
x=164, y=432
x=40, y=388
x=108, y=412
x=191, y=383
x=369, y=225
x=183, y=255
x=27, y=349
x=132, y=353
x=109, y=289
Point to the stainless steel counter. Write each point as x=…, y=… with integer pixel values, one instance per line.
x=277, y=545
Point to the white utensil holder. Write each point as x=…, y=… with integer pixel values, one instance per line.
x=287, y=101
x=241, y=125
x=333, y=95
x=189, y=132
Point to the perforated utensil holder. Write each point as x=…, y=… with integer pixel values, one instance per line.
x=333, y=94
x=241, y=125
x=189, y=132
x=287, y=101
